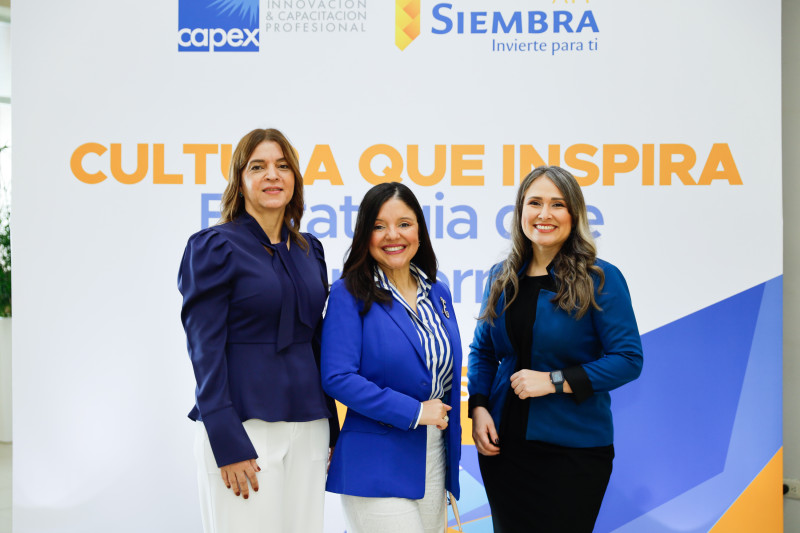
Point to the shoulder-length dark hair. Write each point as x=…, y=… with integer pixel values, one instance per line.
x=359, y=264
x=573, y=265
x=232, y=203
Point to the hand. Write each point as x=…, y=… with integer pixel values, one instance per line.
x=434, y=413
x=484, y=433
x=532, y=384
x=235, y=476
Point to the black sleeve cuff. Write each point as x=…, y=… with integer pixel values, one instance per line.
x=579, y=383
x=476, y=400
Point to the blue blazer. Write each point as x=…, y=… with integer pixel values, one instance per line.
x=375, y=366
x=235, y=296
x=605, y=344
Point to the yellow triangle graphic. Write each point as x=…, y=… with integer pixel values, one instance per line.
x=760, y=507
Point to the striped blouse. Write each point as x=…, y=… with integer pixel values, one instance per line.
x=432, y=333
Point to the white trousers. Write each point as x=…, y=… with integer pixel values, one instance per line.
x=401, y=515
x=291, y=496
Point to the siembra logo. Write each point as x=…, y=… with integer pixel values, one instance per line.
x=495, y=22
x=218, y=26
x=553, y=31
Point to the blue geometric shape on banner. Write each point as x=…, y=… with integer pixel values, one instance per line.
x=473, y=504
x=755, y=439
x=469, y=461
x=480, y=526
x=673, y=425
x=473, y=495
x=758, y=430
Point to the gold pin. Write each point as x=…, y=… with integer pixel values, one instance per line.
x=444, y=307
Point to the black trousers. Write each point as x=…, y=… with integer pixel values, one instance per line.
x=536, y=487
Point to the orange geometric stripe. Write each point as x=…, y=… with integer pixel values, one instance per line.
x=760, y=507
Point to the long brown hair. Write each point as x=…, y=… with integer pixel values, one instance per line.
x=232, y=204
x=573, y=265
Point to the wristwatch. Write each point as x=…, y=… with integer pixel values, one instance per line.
x=557, y=379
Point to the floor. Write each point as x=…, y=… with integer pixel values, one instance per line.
x=5, y=487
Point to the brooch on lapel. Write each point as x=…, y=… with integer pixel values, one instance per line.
x=444, y=308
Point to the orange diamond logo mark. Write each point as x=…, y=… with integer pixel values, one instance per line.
x=406, y=22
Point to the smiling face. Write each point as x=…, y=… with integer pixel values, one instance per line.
x=395, y=237
x=545, y=218
x=267, y=181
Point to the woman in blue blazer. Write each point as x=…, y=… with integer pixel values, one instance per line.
x=391, y=353
x=555, y=335
x=253, y=292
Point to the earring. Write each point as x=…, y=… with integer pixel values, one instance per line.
x=241, y=195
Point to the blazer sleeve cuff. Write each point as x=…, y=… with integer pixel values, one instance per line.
x=228, y=439
x=417, y=418
x=579, y=382
x=476, y=400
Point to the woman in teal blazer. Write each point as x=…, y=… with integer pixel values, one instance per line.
x=391, y=353
x=556, y=333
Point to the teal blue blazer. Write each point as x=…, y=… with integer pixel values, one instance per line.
x=605, y=345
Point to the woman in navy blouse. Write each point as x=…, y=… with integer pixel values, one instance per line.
x=254, y=288
x=556, y=333
x=391, y=353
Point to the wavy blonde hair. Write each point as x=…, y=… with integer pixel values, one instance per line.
x=232, y=204
x=573, y=265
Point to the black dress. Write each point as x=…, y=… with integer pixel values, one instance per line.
x=535, y=486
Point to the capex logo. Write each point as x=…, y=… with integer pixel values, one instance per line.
x=218, y=26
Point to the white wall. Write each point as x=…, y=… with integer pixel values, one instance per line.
x=5, y=60
x=791, y=255
x=5, y=178
x=5, y=380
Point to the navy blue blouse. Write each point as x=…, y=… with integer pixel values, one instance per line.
x=252, y=320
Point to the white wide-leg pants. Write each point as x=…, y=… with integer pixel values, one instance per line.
x=401, y=515
x=293, y=459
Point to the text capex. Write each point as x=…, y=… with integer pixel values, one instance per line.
x=657, y=164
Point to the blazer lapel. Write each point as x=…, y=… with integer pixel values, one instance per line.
x=400, y=316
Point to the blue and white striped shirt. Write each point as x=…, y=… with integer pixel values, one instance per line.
x=432, y=333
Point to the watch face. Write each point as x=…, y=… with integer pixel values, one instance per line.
x=556, y=376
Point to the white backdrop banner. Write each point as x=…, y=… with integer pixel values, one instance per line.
x=668, y=113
